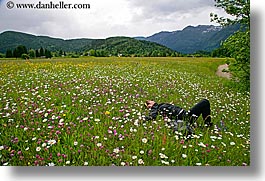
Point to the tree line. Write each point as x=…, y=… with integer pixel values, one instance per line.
x=22, y=52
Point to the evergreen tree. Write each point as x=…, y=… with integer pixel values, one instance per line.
x=42, y=53
x=48, y=54
x=9, y=53
x=37, y=53
x=15, y=53
x=19, y=50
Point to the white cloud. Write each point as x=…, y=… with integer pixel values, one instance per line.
x=107, y=18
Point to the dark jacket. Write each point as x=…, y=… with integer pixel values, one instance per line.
x=175, y=113
x=166, y=110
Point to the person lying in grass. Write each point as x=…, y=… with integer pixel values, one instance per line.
x=180, y=118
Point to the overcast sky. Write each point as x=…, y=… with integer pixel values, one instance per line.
x=107, y=18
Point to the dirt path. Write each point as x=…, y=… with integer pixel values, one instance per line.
x=220, y=72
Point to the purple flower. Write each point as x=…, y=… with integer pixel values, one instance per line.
x=114, y=132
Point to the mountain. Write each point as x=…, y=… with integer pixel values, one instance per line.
x=192, y=39
x=11, y=39
x=114, y=45
x=187, y=41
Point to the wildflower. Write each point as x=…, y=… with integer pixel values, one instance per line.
x=115, y=132
x=1, y=147
x=198, y=164
x=109, y=131
x=38, y=148
x=27, y=148
x=122, y=163
x=25, y=129
x=202, y=145
x=150, y=152
x=144, y=140
x=223, y=143
x=142, y=152
x=85, y=163
x=184, y=156
x=107, y=113
x=116, y=150
x=165, y=162
x=162, y=155
x=232, y=143
x=97, y=120
x=5, y=164
x=51, y=164
x=75, y=143
x=99, y=144
x=67, y=162
x=140, y=161
x=134, y=157
x=51, y=142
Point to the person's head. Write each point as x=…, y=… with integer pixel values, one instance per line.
x=149, y=103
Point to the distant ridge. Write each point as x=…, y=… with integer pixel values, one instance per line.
x=193, y=38
x=125, y=46
x=187, y=41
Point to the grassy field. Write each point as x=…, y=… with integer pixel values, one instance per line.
x=89, y=111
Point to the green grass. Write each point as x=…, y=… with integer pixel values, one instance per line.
x=89, y=111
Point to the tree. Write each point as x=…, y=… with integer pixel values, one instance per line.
x=37, y=53
x=48, y=53
x=9, y=53
x=25, y=56
x=60, y=53
x=15, y=53
x=42, y=52
x=32, y=53
x=19, y=50
x=92, y=52
x=238, y=45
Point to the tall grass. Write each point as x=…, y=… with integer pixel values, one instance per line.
x=89, y=111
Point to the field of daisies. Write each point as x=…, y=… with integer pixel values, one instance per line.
x=89, y=112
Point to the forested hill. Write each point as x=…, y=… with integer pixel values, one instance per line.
x=9, y=40
x=12, y=39
x=129, y=46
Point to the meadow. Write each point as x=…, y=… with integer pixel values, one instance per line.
x=89, y=112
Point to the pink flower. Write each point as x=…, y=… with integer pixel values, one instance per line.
x=114, y=132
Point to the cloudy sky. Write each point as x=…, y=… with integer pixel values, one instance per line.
x=106, y=18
